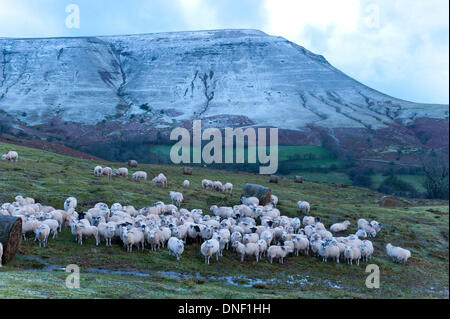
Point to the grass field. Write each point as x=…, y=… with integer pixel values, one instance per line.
x=421, y=226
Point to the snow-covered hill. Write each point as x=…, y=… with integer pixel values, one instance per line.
x=139, y=83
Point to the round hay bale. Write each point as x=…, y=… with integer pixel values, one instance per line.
x=132, y=163
x=274, y=179
x=390, y=201
x=298, y=179
x=187, y=170
x=10, y=236
x=258, y=191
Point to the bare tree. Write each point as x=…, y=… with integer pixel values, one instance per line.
x=436, y=179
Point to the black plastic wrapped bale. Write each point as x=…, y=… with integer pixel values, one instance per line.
x=258, y=191
x=10, y=236
x=274, y=179
x=298, y=179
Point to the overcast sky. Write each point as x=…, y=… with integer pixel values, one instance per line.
x=399, y=47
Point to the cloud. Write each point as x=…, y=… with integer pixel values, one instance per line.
x=399, y=47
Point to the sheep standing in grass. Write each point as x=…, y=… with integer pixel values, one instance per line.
x=304, y=207
x=98, y=171
x=176, y=197
x=339, y=227
x=228, y=188
x=160, y=180
x=398, y=254
x=82, y=229
x=329, y=249
x=209, y=248
x=107, y=171
x=41, y=235
x=29, y=226
x=207, y=184
x=123, y=172
x=217, y=186
x=186, y=183
x=279, y=252
x=351, y=254
x=133, y=237
x=175, y=246
x=69, y=203
x=53, y=225
x=366, y=250
x=139, y=175
x=11, y=156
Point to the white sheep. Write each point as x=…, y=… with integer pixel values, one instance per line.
x=207, y=184
x=139, y=175
x=53, y=225
x=217, y=186
x=155, y=239
x=274, y=200
x=250, y=238
x=352, y=253
x=108, y=231
x=81, y=229
x=398, y=254
x=228, y=188
x=160, y=180
x=366, y=250
x=340, y=227
x=279, y=252
x=132, y=237
x=98, y=171
x=301, y=244
x=107, y=171
x=11, y=156
x=41, y=235
x=29, y=226
x=222, y=212
x=304, y=207
x=310, y=220
x=186, y=183
x=123, y=172
x=329, y=249
x=209, y=248
x=70, y=202
x=176, y=197
x=262, y=245
x=176, y=247
x=250, y=201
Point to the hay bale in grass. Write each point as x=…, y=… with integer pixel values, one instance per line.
x=258, y=191
x=10, y=236
x=274, y=179
x=132, y=163
x=298, y=179
x=187, y=170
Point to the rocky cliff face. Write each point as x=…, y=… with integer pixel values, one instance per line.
x=96, y=89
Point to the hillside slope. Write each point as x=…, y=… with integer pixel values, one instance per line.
x=419, y=225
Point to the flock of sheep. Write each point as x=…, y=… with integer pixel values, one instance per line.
x=250, y=229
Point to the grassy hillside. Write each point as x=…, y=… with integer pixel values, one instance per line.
x=421, y=226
